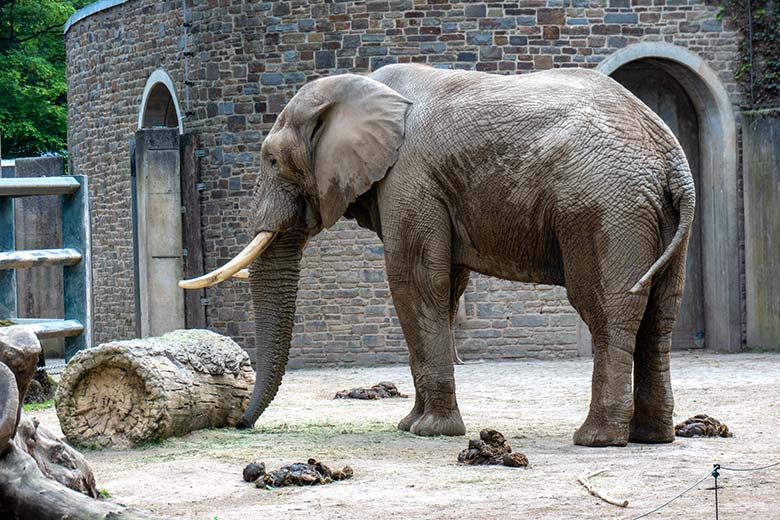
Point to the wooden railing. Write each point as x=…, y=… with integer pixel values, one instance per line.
x=76, y=326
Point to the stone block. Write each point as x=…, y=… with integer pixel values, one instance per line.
x=475, y=10
x=551, y=16
x=479, y=38
x=324, y=59
x=620, y=18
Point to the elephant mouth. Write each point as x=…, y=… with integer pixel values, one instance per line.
x=235, y=268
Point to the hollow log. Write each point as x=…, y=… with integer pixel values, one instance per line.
x=40, y=476
x=128, y=393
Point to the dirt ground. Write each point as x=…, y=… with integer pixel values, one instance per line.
x=536, y=404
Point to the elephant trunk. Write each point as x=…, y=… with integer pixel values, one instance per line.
x=274, y=284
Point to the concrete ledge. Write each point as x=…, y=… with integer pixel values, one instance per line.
x=91, y=9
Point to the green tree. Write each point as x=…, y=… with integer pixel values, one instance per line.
x=33, y=112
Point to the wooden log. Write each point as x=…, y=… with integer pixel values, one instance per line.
x=40, y=476
x=127, y=393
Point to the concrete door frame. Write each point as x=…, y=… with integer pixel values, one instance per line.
x=717, y=194
x=158, y=232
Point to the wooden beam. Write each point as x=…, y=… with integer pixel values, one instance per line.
x=194, y=311
x=38, y=257
x=25, y=187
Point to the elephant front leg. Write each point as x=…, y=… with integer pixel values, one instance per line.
x=421, y=297
x=419, y=405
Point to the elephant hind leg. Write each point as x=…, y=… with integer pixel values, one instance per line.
x=598, y=284
x=653, y=400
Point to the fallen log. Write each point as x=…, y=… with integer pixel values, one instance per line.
x=127, y=393
x=40, y=476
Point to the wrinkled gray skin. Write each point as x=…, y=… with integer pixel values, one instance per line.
x=560, y=177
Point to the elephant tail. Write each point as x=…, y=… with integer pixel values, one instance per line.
x=684, y=199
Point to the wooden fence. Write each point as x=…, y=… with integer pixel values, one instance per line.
x=74, y=256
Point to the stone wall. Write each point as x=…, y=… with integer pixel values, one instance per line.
x=246, y=59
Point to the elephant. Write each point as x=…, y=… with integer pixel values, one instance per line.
x=558, y=177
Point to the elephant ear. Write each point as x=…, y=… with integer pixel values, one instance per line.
x=356, y=139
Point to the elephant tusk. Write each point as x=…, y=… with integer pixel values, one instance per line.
x=243, y=259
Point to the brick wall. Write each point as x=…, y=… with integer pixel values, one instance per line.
x=248, y=59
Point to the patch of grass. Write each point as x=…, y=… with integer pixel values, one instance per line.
x=103, y=493
x=34, y=407
x=328, y=429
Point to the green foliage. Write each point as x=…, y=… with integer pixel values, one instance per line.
x=33, y=113
x=34, y=407
x=103, y=493
x=759, y=70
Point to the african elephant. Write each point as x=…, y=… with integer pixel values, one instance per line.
x=560, y=177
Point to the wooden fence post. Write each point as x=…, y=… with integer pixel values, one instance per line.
x=77, y=279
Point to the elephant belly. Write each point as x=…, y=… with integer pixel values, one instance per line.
x=509, y=254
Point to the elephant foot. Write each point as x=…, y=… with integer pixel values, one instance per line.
x=407, y=422
x=651, y=431
x=599, y=433
x=430, y=424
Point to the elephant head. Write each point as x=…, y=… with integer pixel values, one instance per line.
x=335, y=139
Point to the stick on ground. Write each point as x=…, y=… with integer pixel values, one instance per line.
x=584, y=479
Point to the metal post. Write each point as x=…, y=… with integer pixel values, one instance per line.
x=77, y=279
x=7, y=243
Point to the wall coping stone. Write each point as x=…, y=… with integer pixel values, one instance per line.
x=91, y=9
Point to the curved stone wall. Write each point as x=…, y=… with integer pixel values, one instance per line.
x=245, y=60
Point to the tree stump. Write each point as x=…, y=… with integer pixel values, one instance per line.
x=40, y=476
x=127, y=393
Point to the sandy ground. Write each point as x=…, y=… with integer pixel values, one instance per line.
x=536, y=404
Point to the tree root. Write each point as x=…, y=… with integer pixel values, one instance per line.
x=40, y=476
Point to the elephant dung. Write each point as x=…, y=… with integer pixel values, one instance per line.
x=702, y=425
x=253, y=471
x=491, y=449
x=382, y=390
x=310, y=473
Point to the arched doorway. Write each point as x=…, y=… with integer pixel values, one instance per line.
x=659, y=90
x=157, y=210
x=686, y=93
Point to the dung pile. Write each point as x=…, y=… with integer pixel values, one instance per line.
x=491, y=449
x=702, y=425
x=383, y=390
x=311, y=473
